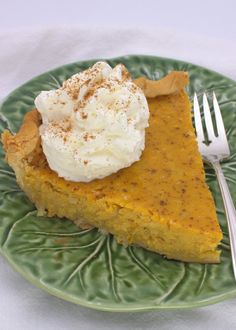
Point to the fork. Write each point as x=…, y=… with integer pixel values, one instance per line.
x=213, y=150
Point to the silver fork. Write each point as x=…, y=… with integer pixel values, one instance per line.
x=213, y=152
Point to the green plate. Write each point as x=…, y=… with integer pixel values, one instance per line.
x=87, y=267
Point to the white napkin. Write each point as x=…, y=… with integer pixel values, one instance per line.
x=26, y=53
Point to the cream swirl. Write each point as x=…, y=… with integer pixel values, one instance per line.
x=94, y=125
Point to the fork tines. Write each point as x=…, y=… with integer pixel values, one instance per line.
x=216, y=140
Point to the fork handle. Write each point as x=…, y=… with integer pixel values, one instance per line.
x=229, y=210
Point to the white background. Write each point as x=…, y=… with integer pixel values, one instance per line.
x=207, y=17
x=203, y=32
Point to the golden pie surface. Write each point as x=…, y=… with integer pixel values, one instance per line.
x=160, y=202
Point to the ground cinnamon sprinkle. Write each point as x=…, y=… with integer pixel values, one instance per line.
x=61, y=128
x=125, y=73
x=76, y=83
x=88, y=136
x=68, y=129
x=84, y=115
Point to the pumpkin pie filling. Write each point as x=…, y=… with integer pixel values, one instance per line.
x=160, y=202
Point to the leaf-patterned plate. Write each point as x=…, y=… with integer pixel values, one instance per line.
x=85, y=266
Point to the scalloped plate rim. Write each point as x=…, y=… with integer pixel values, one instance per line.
x=105, y=308
x=112, y=308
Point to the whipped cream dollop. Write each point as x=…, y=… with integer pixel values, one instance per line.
x=94, y=124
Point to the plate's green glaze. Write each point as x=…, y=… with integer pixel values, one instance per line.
x=87, y=267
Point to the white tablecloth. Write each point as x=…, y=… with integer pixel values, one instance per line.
x=29, y=52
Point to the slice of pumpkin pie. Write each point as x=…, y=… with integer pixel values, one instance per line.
x=153, y=196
